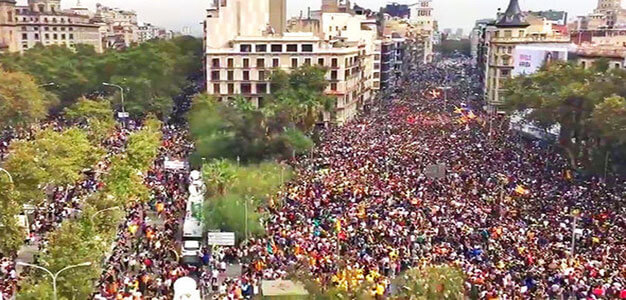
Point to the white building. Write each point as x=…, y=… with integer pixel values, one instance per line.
x=240, y=56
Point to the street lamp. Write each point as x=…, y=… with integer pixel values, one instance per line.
x=445, y=93
x=101, y=211
x=8, y=174
x=121, y=92
x=54, y=276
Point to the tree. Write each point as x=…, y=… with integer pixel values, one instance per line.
x=433, y=282
x=151, y=73
x=11, y=234
x=21, y=101
x=52, y=158
x=97, y=114
x=567, y=95
x=219, y=174
x=609, y=122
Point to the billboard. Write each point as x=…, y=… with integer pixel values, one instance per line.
x=528, y=58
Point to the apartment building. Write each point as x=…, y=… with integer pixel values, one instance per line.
x=513, y=28
x=240, y=56
x=44, y=22
x=118, y=28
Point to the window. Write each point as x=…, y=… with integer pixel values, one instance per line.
x=320, y=61
x=71, y=36
x=246, y=48
x=376, y=75
x=333, y=86
x=246, y=62
x=347, y=74
x=521, y=33
x=334, y=63
x=71, y=29
x=246, y=75
x=24, y=36
x=246, y=88
x=307, y=48
x=261, y=75
x=376, y=56
x=260, y=63
x=507, y=33
x=261, y=88
x=230, y=75
x=47, y=28
x=231, y=88
x=36, y=36
x=216, y=88
x=504, y=73
x=292, y=48
x=307, y=61
x=231, y=62
x=55, y=36
x=294, y=63
x=333, y=75
x=62, y=28
x=215, y=75
x=277, y=48
x=47, y=36
x=376, y=66
x=276, y=62
x=261, y=48
x=215, y=63
x=63, y=36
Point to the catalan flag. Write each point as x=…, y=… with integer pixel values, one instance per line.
x=338, y=225
x=521, y=190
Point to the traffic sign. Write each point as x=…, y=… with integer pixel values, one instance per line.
x=221, y=238
x=123, y=115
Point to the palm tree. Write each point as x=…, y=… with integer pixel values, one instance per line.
x=220, y=174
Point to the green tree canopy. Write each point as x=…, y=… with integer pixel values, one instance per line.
x=51, y=158
x=150, y=73
x=569, y=96
x=21, y=101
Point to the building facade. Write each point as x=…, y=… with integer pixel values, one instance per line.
x=513, y=28
x=422, y=17
x=43, y=22
x=587, y=55
x=241, y=54
x=608, y=14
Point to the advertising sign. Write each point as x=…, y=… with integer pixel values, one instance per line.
x=528, y=59
x=221, y=238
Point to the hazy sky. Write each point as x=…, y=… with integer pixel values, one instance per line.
x=174, y=14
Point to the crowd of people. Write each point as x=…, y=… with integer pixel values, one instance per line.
x=364, y=210
x=144, y=262
x=62, y=202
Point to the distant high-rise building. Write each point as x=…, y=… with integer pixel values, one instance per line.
x=186, y=30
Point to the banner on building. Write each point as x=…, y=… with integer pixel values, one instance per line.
x=528, y=59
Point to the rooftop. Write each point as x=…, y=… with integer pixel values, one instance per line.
x=513, y=16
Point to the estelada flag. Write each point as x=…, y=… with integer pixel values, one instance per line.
x=521, y=190
x=338, y=225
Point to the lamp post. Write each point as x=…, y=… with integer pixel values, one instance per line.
x=8, y=174
x=575, y=216
x=121, y=92
x=101, y=211
x=56, y=275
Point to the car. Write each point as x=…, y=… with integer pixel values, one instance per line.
x=191, y=248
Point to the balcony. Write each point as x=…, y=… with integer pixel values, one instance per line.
x=532, y=39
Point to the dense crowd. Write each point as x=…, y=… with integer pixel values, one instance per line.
x=144, y=263
x=363, y=210
x=62, y=202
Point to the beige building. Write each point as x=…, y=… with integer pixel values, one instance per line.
x=118, y=28
x=422, y=18
x=608, y=14
x=586, y=55
x=246, y=39
x=43, y=22
x=513, y=28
